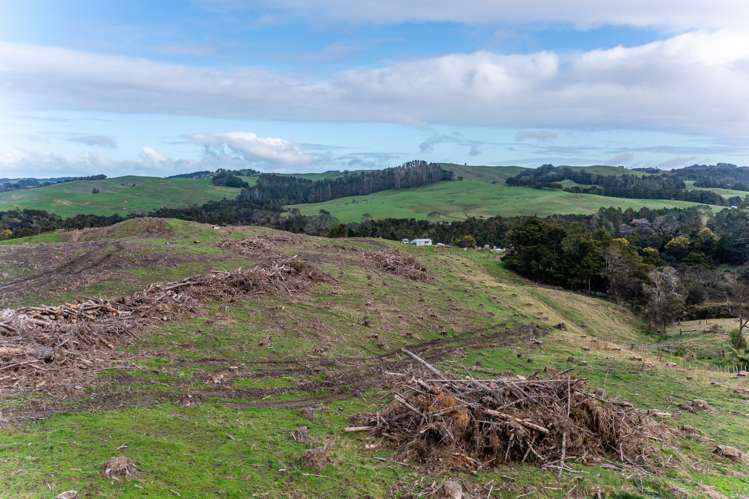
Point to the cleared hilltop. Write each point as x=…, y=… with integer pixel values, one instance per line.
x=204, y=399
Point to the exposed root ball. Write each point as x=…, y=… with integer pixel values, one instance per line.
x=468, y=424
x=318, y=458
x=118, y=468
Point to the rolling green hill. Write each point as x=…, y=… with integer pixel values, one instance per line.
x=726, y=193
x=478, y=198
x=120, y=195
x=609, y=170
x=204, y=404
x=481, y=192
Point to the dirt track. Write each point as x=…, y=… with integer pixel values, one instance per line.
x=90, y=260
x=58, y=269
x=342, y=378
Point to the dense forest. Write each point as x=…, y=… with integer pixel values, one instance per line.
x=722, y=175
x=665, y=185
x=225, y=178
x=287, y=189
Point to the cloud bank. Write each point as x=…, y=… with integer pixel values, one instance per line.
x=694, y=82
x=252, y=148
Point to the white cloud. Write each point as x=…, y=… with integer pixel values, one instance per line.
x=428, y=146
x=91, y=140
x=149, y=155
x=254, y=149
x=666, y=14
x=693, y=82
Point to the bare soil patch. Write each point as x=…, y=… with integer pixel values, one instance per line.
x=51, y=269
x=145, y=227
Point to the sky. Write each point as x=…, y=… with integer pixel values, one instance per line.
x=163, y=87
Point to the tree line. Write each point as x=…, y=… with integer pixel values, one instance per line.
x=661, y=186
x=721, y=175
x=666, y=265
x=288, y=189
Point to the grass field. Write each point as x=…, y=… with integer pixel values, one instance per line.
x=609, y=170
x=457, y=200
x=121, y=195
x=233, y=439
x=726, y=193
x=481, y=193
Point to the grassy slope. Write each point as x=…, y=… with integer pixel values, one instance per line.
x=227, y=447
x=460, y=199
x=121, y=195
x=609, y=170
x=726, y=193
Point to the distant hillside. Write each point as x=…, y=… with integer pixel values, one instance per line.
x=10, y=184
x=609, y=170
x=481, y=193
x=121, y=195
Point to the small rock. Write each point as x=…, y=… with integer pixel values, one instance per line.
x=187, y=400
x=68, y=494
x=728, y=452
x=119, y=467
x=301, y=434
x=451, y=489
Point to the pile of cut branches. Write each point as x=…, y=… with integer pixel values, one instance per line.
x=39, y=346
x=397, y=263
x=260, y=246
x=445, y=423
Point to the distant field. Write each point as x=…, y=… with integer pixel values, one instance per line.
x=121, y=195
x=609, y=170
x=726, y=193
x=461, y=199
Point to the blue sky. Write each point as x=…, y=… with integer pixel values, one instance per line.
x=290, y=85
